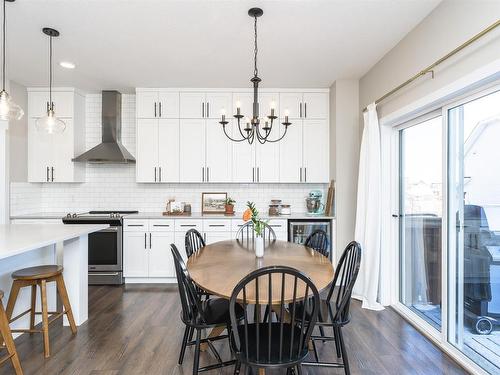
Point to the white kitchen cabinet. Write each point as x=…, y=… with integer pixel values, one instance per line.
x=243, y=161
x=316, y=166
x=216, y=102
x=245, y=101
x=50, y=155
x=290, y=159
x=192, y=105
x=267, y=161
x=291, y=102
x=157, y=104
x=218, y=153
x=135, y=254
x=192, y=150
x=211, y=237
x=161, y=263
x=157, y=150
x=315, y=105
x=147, y=150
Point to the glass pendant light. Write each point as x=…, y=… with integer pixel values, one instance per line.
x=8, y=109
x=50, y=123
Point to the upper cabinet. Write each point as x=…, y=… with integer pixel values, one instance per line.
x=204, y=105
x=50, y=155
x=195, y=149
x=152, y=103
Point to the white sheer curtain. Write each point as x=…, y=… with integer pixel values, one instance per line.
x=368, y=229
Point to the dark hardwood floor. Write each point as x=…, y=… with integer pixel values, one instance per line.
x=135, y=329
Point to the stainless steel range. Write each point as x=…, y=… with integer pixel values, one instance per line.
x=105, y=246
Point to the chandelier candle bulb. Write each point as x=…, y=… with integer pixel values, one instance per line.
x=238, y=108
x=223, y=115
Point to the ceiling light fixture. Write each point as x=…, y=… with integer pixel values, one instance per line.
x=254, y=126
x=50, y=123
x=8, y=109
x=67, y=65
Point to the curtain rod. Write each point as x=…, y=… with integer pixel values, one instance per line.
x=430, y=68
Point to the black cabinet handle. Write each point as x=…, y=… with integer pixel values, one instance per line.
x=135, y=225
x=161, y=225
x=48, y=169
x=305, y=174
x=159, y=106
x=188, y=225
x=159, y=168
x=305, y=110
x=155, y=109
x=52, y=169
x=216, y=225
x=208, y=109
x=145, y=240
x=150, y=240
x=155, y=174
x=202, y=109
x=300, y=110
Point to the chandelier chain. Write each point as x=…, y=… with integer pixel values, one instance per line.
x=255, y=70
x=3, y=48
x=50, y=72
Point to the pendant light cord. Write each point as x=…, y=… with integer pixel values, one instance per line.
x=50, y=73
x=3, y=48
x=255, y=70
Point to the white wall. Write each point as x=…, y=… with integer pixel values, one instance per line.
x=113, y=186
x=450, y=24
x=344, y=153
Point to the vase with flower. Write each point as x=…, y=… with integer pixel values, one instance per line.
x=251, y=213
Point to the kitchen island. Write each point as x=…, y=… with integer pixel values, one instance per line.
x=27, y=245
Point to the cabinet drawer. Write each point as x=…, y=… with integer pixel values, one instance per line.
x=278, y=225
x=161, y=225
x=236, y=224
x=184, y=225
x=217, y=225
x=136, y=225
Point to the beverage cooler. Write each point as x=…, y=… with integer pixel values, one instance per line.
x=300, y=229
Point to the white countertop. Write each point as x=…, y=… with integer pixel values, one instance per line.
x=237, y=215
x=16, y=239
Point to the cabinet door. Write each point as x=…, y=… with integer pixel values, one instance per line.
x=291, y=154
x=316, y=151
x=63, y=153
x=135, y=254
x=211, y=237
x=147, y=104
x=168, y=105
x=192, y=151
x=218, y=152
x=316, y=105
x=291, y=102
x=216, y=102
x=243, y=158
x=39, y=153
x=147, y=151
x=63, y=103
x=161, y=263
x=267, y=160
x=192, y=105
x=168, y=150
x=37, y=103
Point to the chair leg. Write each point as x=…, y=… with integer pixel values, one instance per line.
x=337, y=343
x=299, y=369
x=237, y=368
x=14, y=292
x=191, y=332
x=344, y=352
x=184, y=343
x=63, y=293
x=45, y=319
x=9, y=341
x=196, y=362
x=33, y=308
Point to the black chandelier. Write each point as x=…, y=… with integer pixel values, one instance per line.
x=254, y=128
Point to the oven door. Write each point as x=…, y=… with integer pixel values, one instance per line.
x=105, y=250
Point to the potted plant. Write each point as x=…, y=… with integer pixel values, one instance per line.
x=229, y=206
x=251, y=213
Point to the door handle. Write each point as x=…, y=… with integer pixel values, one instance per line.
x=48, y=170
x=155, y=174
x=159, y=172
x=159, y=109
x=145, y=240
x=155, y=109
x=150, y=240
x=52, y=170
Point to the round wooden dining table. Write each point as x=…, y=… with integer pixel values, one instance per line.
x=218, y=267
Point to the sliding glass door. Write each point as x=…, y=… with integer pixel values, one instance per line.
x=473, y=261
x=420, y=230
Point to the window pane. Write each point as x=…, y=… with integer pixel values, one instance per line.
x=474, y=234
x=421, y=218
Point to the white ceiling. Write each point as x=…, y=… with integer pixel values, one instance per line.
x=122, y=44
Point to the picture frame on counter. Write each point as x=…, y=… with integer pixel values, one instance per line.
x=213, y=203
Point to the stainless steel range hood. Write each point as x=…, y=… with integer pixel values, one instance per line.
x=111, y=149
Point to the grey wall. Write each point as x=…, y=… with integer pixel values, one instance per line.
x=18, y=136
x=450, y=24
x=344, y=153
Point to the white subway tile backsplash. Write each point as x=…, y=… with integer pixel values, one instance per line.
x=113, y=186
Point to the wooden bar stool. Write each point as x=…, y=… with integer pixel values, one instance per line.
x=34, y=276
x=8, y=340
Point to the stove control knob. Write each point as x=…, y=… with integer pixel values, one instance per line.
x=74, y=215
x=68, y=215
